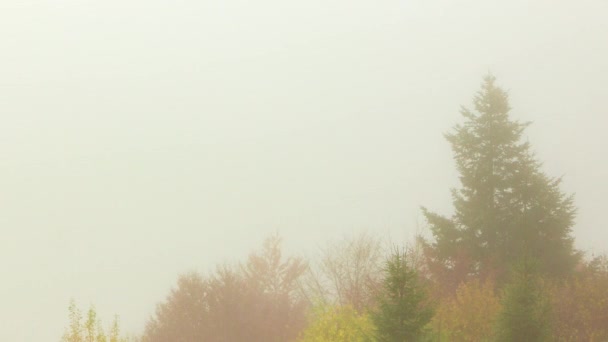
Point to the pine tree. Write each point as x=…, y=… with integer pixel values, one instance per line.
x=506, y=207
x=403, y=307
x=526, y=313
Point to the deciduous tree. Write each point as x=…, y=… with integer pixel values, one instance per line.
x=580, y=304
x=338, y=324
x=470, y=315
x=348, y=273
x=256, y=301
x=91, y=329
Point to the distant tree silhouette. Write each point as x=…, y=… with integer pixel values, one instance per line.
x=506, y=207
x=580, y=304
x=254, y=302
x=348, y=273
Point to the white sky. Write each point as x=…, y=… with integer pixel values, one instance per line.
x=141, y=139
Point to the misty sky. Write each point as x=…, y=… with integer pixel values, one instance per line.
x=142, y=139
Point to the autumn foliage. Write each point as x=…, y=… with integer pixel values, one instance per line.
x=501, y=267
x=256, y=301
x=470, y=314
x=338, y=324
x=580, y=304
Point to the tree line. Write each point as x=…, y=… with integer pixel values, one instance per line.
x=502, y=267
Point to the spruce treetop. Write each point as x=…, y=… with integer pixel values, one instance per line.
x=506, y=207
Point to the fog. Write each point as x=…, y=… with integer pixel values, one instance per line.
x=142, y=139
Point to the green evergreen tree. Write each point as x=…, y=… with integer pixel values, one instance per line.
x=526, y=311
x=506, y=206
x=403, y=306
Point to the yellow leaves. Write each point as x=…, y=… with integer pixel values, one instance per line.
x=581, y=307
x=91, y=329
x=338, y=324
x=469, y=315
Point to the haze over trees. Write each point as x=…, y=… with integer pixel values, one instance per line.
x=506, y=208
x=470, y=314
x=525, y=314
x=347, y=273
x=91, y=329
x=256, y=301
x=338, y=323
x=403, y=308
x=502, y=267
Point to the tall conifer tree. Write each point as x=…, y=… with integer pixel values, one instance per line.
x=506, y=207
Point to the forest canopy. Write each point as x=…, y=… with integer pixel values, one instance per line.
x=501, y=267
